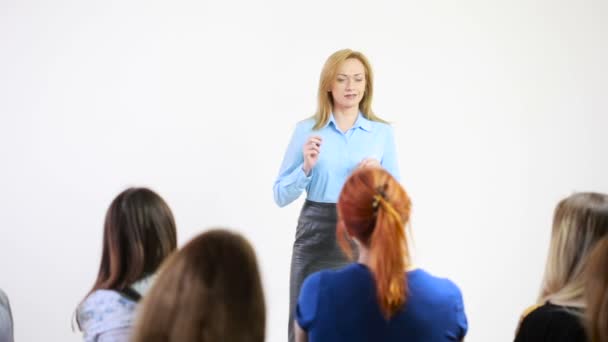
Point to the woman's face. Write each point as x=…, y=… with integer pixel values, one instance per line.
x=348, y=87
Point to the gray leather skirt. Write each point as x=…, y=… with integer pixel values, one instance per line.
x=314, y=249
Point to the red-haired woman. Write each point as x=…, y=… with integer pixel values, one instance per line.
x=380, y=297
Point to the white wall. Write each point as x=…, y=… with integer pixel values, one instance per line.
x=500, y=110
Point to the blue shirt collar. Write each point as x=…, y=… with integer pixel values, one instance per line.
x=361, y=122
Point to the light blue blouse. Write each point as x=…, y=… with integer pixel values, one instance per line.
x=340, y=154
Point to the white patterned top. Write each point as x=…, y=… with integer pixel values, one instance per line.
x=106, y=315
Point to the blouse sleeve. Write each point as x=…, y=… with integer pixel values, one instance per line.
x=292, y=180
x=308, y=301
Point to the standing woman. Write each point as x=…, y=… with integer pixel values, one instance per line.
x=342, y=136
x=139, y=234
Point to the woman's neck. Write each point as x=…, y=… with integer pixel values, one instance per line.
x=346, y=117
x=364, y=259
x=363, y=256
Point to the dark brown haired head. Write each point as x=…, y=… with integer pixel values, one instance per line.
x=139, y=233
x=210, y=290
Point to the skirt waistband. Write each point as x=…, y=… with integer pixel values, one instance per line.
x=309, y=203
x=318, y=212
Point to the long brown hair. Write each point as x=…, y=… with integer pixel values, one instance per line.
x=325, y=101
x=210, y=290
x=596, y=293
x=139, y=233
x=580, y=221
x=374, y=208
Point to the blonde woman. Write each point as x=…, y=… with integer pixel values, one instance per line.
x=579, y=222
x=343, y=135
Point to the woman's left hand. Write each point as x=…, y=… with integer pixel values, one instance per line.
x=369, y=162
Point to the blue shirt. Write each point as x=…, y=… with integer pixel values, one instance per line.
x=339, y=155
x=341, y=305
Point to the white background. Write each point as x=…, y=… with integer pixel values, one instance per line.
x=500, y=110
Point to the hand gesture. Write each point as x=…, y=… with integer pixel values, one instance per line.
x=310, y=151
x=369, y=162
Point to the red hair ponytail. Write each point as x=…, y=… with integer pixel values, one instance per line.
x=374, y=208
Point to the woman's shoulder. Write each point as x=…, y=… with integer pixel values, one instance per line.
x=550, y=321
x=306, y=124
x=331, y=276
x=380, y=128
x=105, y=310
x=423, y=279
x=381, y=124
x=551, y=312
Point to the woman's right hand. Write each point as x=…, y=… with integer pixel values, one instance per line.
x=310, y=151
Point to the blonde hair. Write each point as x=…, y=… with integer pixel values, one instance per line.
x=596, y=293
x=579, y=222
x=328, y=75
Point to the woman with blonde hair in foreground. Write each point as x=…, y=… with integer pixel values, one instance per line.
x=210, y=290
x=579, y=222
x=381, y=297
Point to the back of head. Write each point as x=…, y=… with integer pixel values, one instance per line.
x=580, y=221
x=139, y=233
x=374, y=208
x=596, y=293
x=210, y=290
